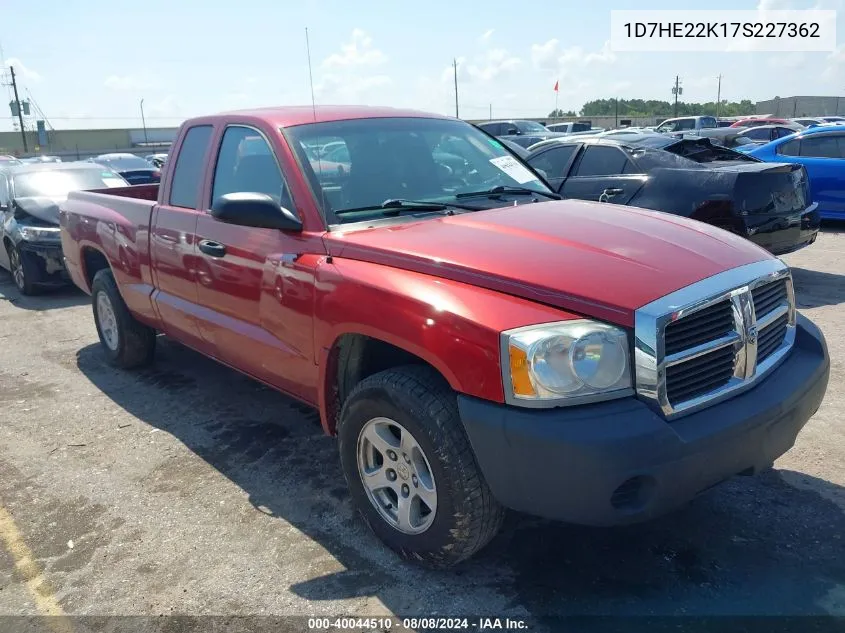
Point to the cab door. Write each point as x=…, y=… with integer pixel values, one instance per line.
x=173, y=252
x=255, y=286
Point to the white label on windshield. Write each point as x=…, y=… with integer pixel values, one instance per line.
x=114, y=182
x=513, y=169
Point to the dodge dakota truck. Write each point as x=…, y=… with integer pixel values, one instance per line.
x=474, y=342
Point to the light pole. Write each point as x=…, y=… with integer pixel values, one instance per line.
x=144, y=122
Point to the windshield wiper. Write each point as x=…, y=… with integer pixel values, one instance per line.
x=395, y=206
x=507, y=189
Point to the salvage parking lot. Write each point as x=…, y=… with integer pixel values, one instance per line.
x=188, y=488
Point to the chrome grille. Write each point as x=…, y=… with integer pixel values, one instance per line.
x=767, y=297
x=706, y=324
x=771, y=338
x=714, y=338
x=700, y=375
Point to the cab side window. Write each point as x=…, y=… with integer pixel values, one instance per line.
x=190, y=163
x=246, y=164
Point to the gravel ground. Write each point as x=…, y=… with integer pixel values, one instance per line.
x=188, y=488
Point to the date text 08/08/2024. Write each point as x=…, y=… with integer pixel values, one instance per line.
x=412, y=624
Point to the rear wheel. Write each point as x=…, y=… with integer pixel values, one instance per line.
x=24, y=269
x=126, y=341
x=411, y=470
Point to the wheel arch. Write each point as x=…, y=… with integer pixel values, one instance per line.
x=353, y=356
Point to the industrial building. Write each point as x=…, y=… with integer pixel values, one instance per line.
x=81, y=144
x=788, y=107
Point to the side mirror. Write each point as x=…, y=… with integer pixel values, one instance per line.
x=511, y=131
x=254, y=209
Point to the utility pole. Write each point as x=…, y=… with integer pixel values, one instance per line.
x=616, y=123
x=676, y=91
x=491, y=112
x=144, y=123
x=20, y=110
x=719, y=96
x=455, y=64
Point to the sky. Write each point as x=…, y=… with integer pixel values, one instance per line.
x=89, y=63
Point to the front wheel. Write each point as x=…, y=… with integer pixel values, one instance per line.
x=411, y=470
x=24, y=270
x=126, y=341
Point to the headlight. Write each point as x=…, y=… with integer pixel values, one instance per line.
x=572, y=362
x=40, y=233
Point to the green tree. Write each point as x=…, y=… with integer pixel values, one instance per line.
x=656, y=108
x=560, y=114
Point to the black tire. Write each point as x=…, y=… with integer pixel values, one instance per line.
x=135, y=341
x=418, y=398
x=29, y=275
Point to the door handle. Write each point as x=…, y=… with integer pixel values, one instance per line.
x=212, y=249
x=609, y=193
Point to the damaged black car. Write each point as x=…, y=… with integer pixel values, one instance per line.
x=767, y=203
x=29, y=217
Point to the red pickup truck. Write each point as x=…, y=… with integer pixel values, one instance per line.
x=474, y=342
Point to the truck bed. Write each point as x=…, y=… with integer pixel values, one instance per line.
x=114, y=222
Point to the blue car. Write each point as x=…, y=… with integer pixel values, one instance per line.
x=822, y=152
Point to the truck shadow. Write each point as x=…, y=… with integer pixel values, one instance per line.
x=752, y=546
x=814, y=288
x=51, y=298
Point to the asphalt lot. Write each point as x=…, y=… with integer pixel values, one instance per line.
x=188, y=488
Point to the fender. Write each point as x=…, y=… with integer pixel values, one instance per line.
x=452, y=326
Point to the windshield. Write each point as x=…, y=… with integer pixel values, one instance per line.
x=530, y=127
x=123, y=163
x=59, y=182
x=368, y=161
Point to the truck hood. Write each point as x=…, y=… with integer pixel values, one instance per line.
x=599, y=260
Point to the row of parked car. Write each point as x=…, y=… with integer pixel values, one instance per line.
x=30, y=192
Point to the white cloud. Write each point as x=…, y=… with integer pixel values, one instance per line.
x=485, y=67
x=359, y=51
x=550, y=56
x=350, y=88
x=169, y=106
x=130, y=83
x=22, y=71
x=487, y=35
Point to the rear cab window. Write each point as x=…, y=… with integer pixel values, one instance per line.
x=189, y=167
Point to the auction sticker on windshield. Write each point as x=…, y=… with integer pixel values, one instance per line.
x=512, y=168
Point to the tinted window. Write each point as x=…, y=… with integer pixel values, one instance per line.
x=826, y=146
x=708, y=122
x=529, y=127
x=580, y=127
x=758, y=134
x=187, y=174
x=59, y=182
x=491, y=128
x=792, y=148
x=246, y=163
x=554, y=162
x=783, y=131
x=601, y=161
x=686, y=124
